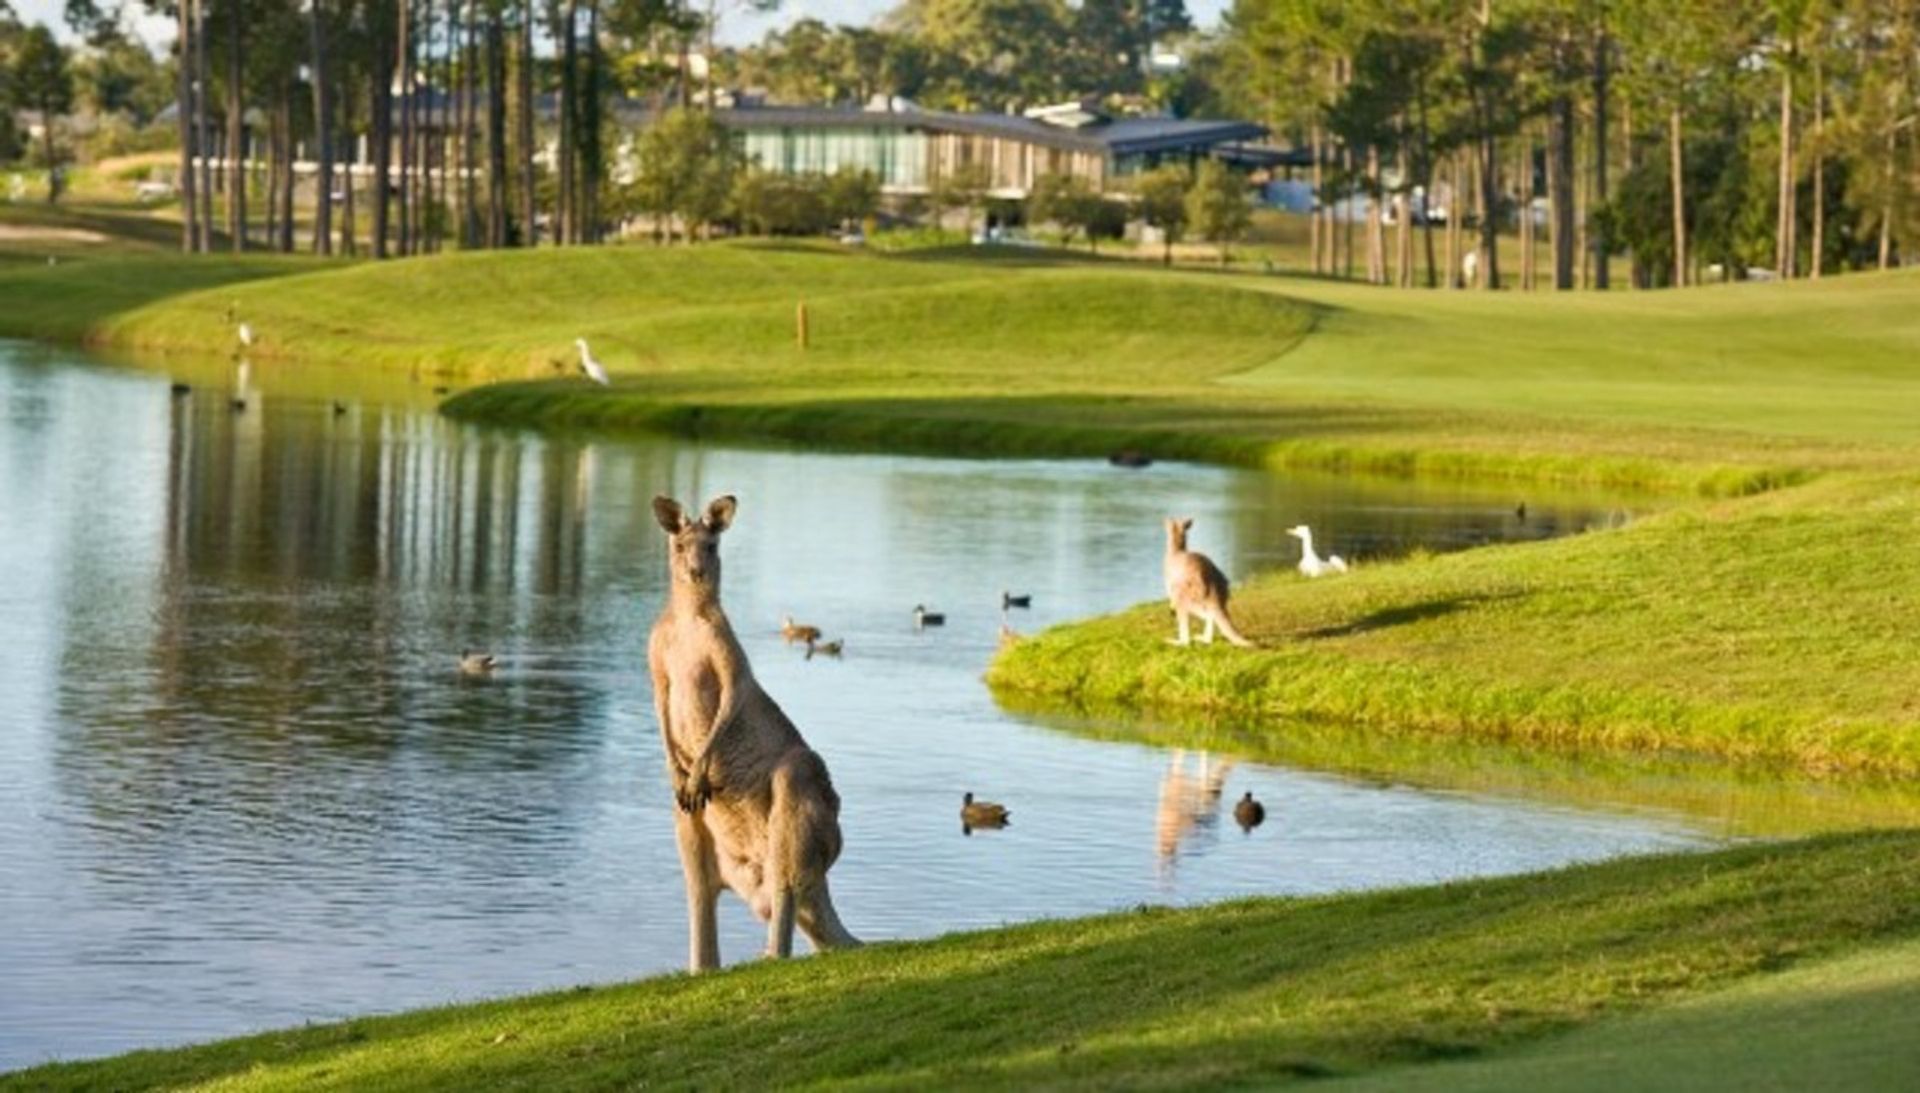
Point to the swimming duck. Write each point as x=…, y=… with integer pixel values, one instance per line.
x=982, y=813
x=794, y=631
x=1249, y=813
x=826, y=648
x=1009, y=600
x=477, y=664
x=923, y=618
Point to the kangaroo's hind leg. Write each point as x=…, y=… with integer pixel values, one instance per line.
x=820, y=922
x=702, y=870
x=1206, y=636
x=1186, y=623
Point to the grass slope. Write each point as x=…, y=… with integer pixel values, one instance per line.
x=979, y=353
x=1775, y=630
x=1252, y=991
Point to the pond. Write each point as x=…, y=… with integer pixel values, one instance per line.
x=242, y=784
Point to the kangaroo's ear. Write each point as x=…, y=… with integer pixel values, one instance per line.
x=668, y=512
x=1187, y=524
x=720, y=512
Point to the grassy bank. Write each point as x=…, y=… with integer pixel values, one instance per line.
x=1253, y=991
x=969, y=352
x=1773, y=631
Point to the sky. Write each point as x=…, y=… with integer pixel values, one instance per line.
x=737, y=27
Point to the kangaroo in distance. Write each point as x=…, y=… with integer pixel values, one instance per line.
x=757, y=811
x=1195, y=586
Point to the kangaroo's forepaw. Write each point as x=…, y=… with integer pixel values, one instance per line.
x=696, y=791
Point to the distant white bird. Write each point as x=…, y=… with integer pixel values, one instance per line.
x=1312, y=564
x=246, y=334
x=591, y=367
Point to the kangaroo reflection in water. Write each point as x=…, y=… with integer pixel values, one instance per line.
x=1189, y=802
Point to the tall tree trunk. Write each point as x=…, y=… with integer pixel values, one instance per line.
x=203, y=139
x=1676, y=170
x=1817, y=260
x=349, y=243
x=1785, y=246
x=566, y=228
x=322, y=135
x=1316, y=244
x=1455, y=212
x=1376, y=222
x=183, y=17
x=1602, y=243
x=1889, y=180
x=403, y=65
x=1403, y=228
x=1560, y=187
x=381, y=100
x=469, y=191
x=713, y=19
x=273, y=178
x=1426, y=183
x=287, y=179
x=1523, y=200
x=496, y=129
x=593, y=158
x=1346, y=228
x=236, y=137
x=530, y=227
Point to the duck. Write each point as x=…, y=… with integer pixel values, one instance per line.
x=1249, y=813
x=1311, y=564
x=339, y=409
x=1008, y=600
x=923, y=618
x=826, y=648
x=183, y=389
x=794, y=631
x=982, y=813
x=1130, y=457
x=480, y=665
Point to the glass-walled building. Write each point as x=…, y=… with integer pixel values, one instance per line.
x=909, y=149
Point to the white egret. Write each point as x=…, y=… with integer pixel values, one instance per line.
x=246, y=334
x=591, y=367
x=1311, y=563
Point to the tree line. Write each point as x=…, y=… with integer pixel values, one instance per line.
x=1775, y=135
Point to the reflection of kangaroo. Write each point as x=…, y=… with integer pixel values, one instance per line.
x=1187, y=801
x=1195, y=586
x=758, y=813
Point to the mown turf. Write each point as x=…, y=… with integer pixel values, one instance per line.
x=969, y=352
x=1775, y=630
x=1258, y=991
x=1841, y=1025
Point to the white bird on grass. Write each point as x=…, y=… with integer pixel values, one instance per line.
x=1312, y=564
x=591, y=367
x=246, y=334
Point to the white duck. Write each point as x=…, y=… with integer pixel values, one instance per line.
x=591, y=367
x=1312, y=564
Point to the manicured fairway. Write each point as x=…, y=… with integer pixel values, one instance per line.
x=1258, y=991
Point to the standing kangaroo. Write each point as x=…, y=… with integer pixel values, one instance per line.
x=1195, y=586
x=757, y=813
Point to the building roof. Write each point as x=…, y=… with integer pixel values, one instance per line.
x=1115, y=136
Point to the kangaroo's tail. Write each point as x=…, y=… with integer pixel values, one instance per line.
x=1225, y=623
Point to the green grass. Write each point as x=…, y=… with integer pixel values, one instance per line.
x=1774, y=631
x=1717, y=392
x=1844, y=1024
x=1251, y=992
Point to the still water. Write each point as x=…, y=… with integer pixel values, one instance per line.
x=242, y=784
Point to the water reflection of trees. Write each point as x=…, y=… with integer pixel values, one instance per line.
x=286, y=664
